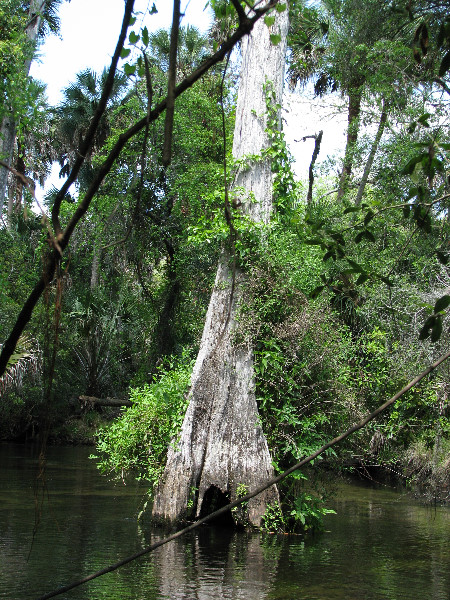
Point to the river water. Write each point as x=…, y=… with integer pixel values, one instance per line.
x=381, y=545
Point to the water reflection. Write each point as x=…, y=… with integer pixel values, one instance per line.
x=214, y=563
x=381, y=545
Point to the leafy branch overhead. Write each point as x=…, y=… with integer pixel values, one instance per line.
x=422, y=203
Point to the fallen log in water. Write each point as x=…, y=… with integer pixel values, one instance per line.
x=91, y=401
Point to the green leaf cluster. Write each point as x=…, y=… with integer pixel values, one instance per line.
x=135, y=445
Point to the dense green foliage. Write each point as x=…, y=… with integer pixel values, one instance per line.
x=137, y=442
x=345, y=300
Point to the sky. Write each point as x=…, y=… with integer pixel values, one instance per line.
x=87, y=39
x=89, y=32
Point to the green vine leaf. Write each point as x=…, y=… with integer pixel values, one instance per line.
x=133, y=37
x=356, y=268
x=436, y=331
x=275, y=38
x=129, y=69
x=442, y=303
x=410, y=166
x=385, y=280
x=369, y=236
x=427, y=327
x=369, y=216
x=145, y=37
x=362, y=278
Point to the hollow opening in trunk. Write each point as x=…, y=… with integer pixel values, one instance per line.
x=214, y=499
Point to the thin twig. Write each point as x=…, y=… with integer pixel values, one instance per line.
x=318, y=141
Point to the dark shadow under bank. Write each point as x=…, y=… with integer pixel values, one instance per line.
x=416, y=474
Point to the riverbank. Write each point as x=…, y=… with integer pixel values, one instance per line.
x=423, y=472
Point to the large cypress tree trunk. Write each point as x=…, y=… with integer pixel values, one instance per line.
x=222, y=446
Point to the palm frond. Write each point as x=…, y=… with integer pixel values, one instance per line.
x=26, y=360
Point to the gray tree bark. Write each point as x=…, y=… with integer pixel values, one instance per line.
x=372, y=154
x=222, y=447
x=8, y=126
x=7, y=138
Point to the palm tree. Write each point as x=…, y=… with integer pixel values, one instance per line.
x=332, y=45
x=73, y=117
x=34, y=153
x=26, y=359
x=193, y=47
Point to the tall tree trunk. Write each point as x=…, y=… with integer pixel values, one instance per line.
x=7, y=137
x=95, y=267
x=354, y=111
x=164, y=333
x=222, y=449
x=373, y=151
x=8, y=127
x=15, y=193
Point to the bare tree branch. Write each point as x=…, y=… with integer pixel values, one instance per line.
x=317, y=142
x=373, y=151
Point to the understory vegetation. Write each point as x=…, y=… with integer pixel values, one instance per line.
x=347, y=291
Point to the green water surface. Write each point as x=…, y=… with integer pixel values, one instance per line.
x=381, y=544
